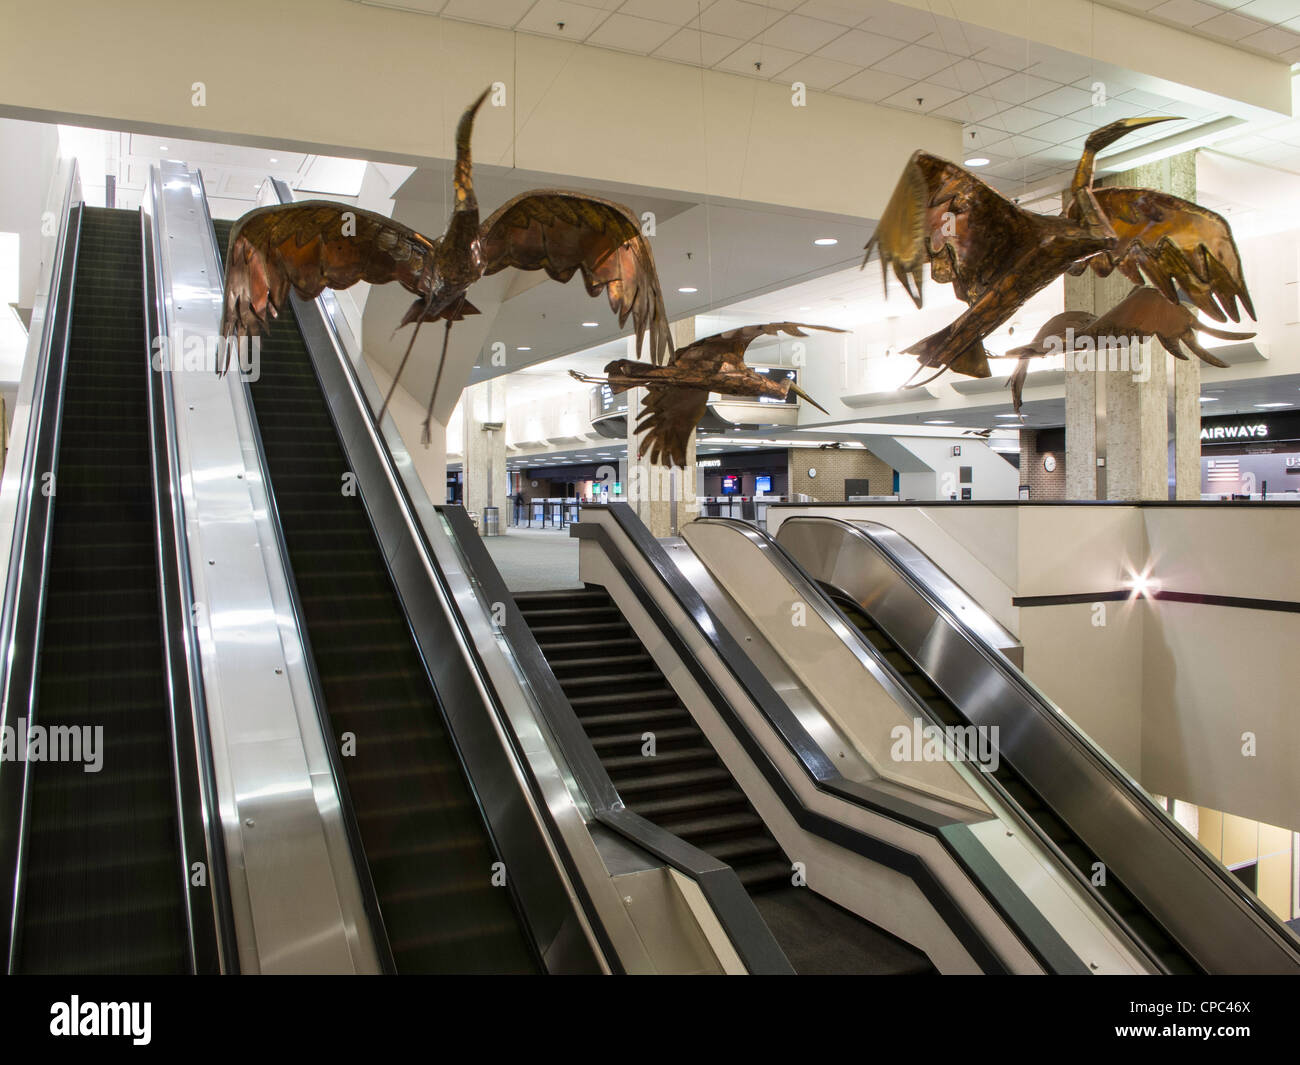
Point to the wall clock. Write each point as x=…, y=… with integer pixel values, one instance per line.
x=1049, y=463
x=812, y=471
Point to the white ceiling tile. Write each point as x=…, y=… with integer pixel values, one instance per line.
x=872, y=85
x=1020, y=88
x=904, y=23
x=819, y=73
x=691, y=46
x=914, y=62
x=500, y=13
x=1059, y=130
x=968, y=108
x=860, y=48
x=970, y=76
x=735, y=18
x=1012, y=55
x=631, y=34
x=545, y=17
x=1149, y=100
x=1269, y=10
x=1185, y=12
x=1063, y=69
x=1021, y=119
x=1063, y=101
x=771, y=60
x=676, y=12
x=1023, y=144
x=802, y=34
x=1230, y=26
x=923, y=97
x=843, y=14
x=1275, y=39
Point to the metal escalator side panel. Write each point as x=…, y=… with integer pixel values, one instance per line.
x=210, y=918
x=1198, y=904
x=295, y=900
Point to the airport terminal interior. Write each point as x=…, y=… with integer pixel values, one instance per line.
x=650, y=487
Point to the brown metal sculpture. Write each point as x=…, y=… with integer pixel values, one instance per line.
x=314, y=245
x=1142, y=314
x=678, y=393
x=997, y=255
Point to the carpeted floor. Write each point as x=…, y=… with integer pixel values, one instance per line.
x=535, y=560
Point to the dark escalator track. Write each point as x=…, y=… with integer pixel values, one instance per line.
x=1030, y=803
x=429, y=852
x=620, y=696
x=103, y=884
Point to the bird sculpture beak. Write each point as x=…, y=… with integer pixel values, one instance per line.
x=804, y=395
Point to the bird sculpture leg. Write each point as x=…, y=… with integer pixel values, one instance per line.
x=402, y=365
x=426, y=434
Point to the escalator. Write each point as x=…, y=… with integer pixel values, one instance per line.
x=430, y=856
x=1029, y=802
x=624, y=703
x=103, y=882
x=1189, y=914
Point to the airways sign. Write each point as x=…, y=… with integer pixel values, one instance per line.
x=1234, y=432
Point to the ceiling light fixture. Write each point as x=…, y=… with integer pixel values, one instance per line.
x=1270, y=406
x=826, y=242
x=162, y=147
x=937, y=421
x=1209, y=399
x=688, y=289
x=977, y=160
x=523, y=349
x=589, y=325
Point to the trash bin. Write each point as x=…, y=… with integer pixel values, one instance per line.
x=491, y=522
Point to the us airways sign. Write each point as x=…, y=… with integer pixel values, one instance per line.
x=1249, y=431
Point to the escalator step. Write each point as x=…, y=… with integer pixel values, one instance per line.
x=658, y=762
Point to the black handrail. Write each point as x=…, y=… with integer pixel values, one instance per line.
x=749, y=934
x=209, y=915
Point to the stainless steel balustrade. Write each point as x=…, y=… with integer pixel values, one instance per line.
x=1212, y=917
x=297, y=902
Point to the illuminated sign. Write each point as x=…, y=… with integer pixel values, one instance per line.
x=1235, y=432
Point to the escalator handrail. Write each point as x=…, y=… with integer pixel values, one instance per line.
x=869, y=655
x=1160, y=829
x=1035, y=932
x=23, y=607
x=749, y=934
x=213, y=945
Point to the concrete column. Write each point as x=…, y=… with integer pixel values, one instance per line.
x=1117, y=428
x=1187, y=428
x=664, y=499
x=483, y=416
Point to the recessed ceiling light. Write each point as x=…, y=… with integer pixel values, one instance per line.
x=1006, y=415
x=274, y=159
x=523, y=349
x=825, y=242
x=589, y=325
x=977, y=160
x=1266, y=406
x=1209, y=399
x=688, y=289
x=162, y=147
x=805, y=308
x=937, y=421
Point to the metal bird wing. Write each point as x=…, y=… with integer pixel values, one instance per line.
x=667, y=418
x=968, y=232
x=676, y=401
x=563, y=232
x=308, y=247
x=1173, y=243
x=1144, y=312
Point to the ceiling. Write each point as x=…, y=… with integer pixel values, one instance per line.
x=1026, y=107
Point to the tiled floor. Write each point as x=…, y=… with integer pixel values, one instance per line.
x=535, y=560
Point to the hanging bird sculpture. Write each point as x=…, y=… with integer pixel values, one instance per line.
x=316, y=244
x=678, y=393
x=996, y=255
x=1142, y=314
